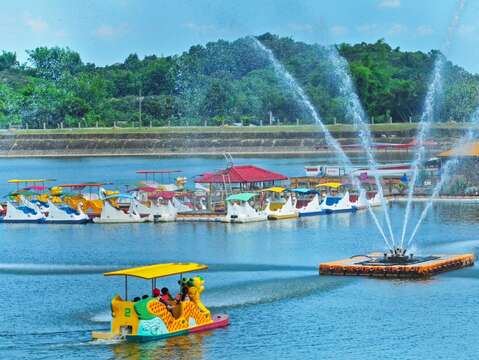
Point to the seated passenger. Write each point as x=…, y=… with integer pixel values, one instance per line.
x=145, y=297
x=183, y=293
x=165, y=295
x=156, y=293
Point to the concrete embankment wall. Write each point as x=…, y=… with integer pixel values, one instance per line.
x=183, y=142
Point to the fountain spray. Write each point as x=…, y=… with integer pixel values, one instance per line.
x=447, y=170
x=356, y=111
x=331, y=141
x=434, y=90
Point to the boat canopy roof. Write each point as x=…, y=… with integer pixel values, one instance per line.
x=35, y=187
x=276, y=189
x=82, y=185
x=23, y=192
x=148, y=189
x=241, y=197
x=125, y=196
x=158, y=270
x=304, y=191
x=18, y=181
x=333, y=185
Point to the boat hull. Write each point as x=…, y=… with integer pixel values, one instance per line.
x=219, y=321
x=120, y=221
x=314, y=213
x=281, y=217
x=353, y=209
x=81, y=221
x=22, y=221
x=244, y=221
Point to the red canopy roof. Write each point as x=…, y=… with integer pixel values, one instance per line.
x=84, y=185
x=240, y=174
x=167, y=195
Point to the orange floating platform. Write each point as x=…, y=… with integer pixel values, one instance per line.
x=372, y=265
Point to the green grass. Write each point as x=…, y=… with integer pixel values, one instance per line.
x=295, y=128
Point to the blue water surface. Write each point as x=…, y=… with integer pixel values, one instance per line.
x=264, y=275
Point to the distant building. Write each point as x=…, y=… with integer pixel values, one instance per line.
x=468, y=150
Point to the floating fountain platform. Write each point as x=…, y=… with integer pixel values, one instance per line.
x=396, y=265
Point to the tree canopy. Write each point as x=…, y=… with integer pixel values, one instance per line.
x=224, y=82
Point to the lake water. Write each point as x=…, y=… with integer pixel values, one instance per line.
x=264, y=275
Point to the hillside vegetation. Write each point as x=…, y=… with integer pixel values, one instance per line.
x=224, y=83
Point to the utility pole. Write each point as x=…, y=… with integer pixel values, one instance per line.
x=140, y=100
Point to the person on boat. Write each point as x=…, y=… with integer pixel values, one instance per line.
x=156, y=293
x=165, y=296
x=183, y=291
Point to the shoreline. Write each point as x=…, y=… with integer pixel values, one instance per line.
x=189, y=153
x=278, y=141
x=442, y=198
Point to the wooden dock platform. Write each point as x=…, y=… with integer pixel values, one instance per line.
x=363, y=266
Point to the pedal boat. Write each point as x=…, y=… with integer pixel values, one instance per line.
x=278, y=210
x=25, y=212
x=309, y=207
x=65, y=215
x=112, y=215
x=239, y=209
x=337, y=204
x=157, y=211
x=149, y=319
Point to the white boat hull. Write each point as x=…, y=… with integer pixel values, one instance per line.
x=243, y=213
x=111, y=215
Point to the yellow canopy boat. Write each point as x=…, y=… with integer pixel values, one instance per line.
x=159, y=316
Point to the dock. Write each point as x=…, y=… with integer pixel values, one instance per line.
x=371, y=265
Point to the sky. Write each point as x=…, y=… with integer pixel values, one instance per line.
x=107, y=31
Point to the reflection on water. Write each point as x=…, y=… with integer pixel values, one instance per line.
x=182, y=347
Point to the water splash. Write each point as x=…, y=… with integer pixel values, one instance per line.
x=434, y=90
x=447, y=170
x=330, y=140
x=356, y=111
x=423, y=131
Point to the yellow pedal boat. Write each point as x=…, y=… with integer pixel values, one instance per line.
x=153, y=318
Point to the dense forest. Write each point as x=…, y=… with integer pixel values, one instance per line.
x=223, y=83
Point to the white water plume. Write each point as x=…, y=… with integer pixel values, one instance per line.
x=423, y=131
x=356, y=111
x=447, y=170
x=454, y=24
x=330, y=140
x=427, y=117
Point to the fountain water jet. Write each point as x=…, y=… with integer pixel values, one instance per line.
x=331, y=141
x=397, y=263
x=447, y=170
x=434, y=89
x=354, y=108
x=423, y=132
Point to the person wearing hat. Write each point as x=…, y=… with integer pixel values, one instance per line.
x=156, y=293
